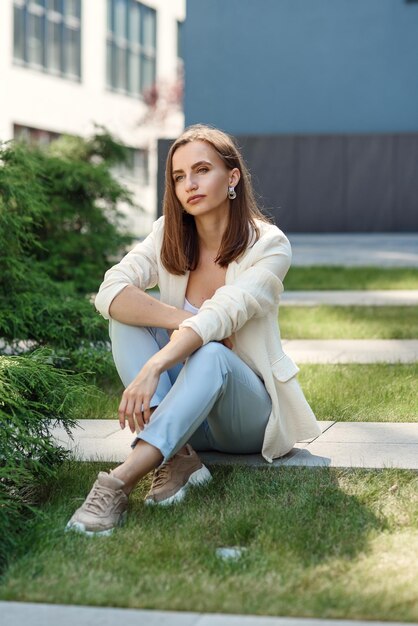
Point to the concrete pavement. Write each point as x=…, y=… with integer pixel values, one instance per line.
x=23, y=614
x=352, y=350
x=341, y=444
x=355, y=249
x=394, y=297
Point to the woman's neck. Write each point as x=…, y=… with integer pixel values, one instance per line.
x=210, y=230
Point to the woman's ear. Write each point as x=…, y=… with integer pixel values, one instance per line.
x=234, y=177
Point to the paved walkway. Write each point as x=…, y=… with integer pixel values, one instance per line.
x=23, y=614
x=351, y=250
x=342, y=444
x=407, y=297
x=352, y=350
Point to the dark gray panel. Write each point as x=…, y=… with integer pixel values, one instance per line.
x=271, y=161
x=320, y=196
x=163, y=148
x=331, y=183
x=405, y=216
x=370, y=193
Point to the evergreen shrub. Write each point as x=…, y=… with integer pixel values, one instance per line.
x=34, y=397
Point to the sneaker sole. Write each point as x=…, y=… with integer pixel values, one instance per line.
x=81, y=529
x=198, y=478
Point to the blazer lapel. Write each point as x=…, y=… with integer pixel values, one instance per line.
x=177, y=290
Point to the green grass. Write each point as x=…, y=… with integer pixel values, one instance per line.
x=351, y=322
x=328, y=277
x=323, y=543
x=380, y=392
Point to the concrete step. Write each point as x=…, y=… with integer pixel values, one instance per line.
x=342, y=444
x=394, y=297
x=352, y=350
x=23, y=614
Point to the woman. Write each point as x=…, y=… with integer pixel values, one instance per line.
x=203, y=366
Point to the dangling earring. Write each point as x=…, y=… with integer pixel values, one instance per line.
x=231, y=193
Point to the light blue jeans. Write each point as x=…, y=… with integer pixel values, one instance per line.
x=214, y=401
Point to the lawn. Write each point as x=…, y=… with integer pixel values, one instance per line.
x=320, y=542
x=328, y=277
x=349, y=322
x=380, y=392
x=348, y=393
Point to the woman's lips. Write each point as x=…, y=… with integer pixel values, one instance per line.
x=194, y=199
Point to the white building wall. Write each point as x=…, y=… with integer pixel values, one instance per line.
x=37, y=99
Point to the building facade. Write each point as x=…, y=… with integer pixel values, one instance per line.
x=69, y=65
x=323, y=97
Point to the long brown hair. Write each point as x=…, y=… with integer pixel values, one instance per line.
x=180, y=248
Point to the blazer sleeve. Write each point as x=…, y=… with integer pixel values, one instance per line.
x=254, y=291
x=139, y=267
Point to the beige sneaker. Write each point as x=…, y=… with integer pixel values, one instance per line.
x=103, y=509
x=172, y=480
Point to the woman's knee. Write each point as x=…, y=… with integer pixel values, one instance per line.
x=208, y=358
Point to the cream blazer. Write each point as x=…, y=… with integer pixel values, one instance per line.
x=246, y=307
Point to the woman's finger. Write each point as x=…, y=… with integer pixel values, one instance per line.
x=121, y=411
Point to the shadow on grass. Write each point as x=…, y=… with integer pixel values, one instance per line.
x=288, y=519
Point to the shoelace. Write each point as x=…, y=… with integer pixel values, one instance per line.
x=98, y=500
x=161, y=475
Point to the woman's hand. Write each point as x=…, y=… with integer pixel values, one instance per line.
x=135, y=403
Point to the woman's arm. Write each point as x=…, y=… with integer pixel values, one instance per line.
x=135, y=307
x=135, y=403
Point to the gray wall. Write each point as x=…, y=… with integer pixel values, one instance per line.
x=302, y=66
x=331, y=183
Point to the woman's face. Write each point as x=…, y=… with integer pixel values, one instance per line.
x=201, y=179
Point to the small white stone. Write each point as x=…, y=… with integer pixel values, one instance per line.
x=230, y=554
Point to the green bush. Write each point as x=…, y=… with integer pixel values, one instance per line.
x=58, y=211
x=34, y=397
x=59, y=229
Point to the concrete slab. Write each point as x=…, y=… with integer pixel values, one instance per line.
x=98, y=445
x=359, y=455
x=21, y=614
x=355, y=249
x=351, y=298
x=352, y=350
x=372, y=433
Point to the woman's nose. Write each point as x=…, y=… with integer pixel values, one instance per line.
x=190, y=183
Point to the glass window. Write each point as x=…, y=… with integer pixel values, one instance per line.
x=119, y=68
x=148, y=26
x=180, y=40
x=134, y=73
x=54, y=48
x=36, y=39
x=72, y=51
x=120, y=18
x=135, y=24
x=131, y=46
x=54, y=5
x=72, y=8
x=147, y=72
x=47, y=35
x=19, y=33
x=35, y=136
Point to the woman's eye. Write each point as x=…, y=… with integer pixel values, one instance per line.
x=202, y=169
x=177, y=179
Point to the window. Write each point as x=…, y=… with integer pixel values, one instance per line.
x=131, y=46
x=47, y=36
x=136, y=169
x=34, y=136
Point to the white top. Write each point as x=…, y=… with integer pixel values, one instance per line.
x=189, y=307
